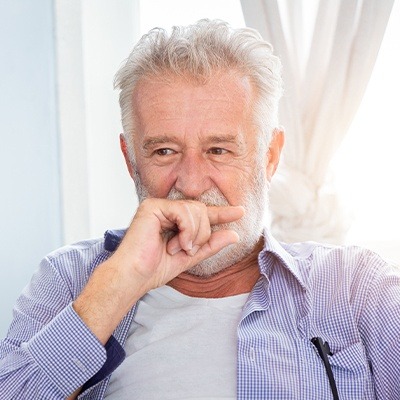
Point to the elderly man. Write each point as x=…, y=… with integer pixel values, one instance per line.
x=196, y=299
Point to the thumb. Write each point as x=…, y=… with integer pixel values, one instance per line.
x=218, y=240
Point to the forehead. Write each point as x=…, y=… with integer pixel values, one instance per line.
x=225, y=95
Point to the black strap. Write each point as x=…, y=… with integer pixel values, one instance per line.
x=323, y=351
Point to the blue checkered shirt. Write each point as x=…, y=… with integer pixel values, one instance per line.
x=347, y=296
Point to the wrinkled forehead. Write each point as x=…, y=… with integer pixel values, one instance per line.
x=230, y=84
x=222, y=101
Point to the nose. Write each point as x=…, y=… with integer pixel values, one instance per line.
x=193, y=178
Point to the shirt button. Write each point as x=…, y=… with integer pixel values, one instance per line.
x=79, y=364
x=252, y=354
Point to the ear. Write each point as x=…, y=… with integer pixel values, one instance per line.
x=124, y=149
x=274, y=151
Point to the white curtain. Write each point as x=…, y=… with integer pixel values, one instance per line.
x=324, y=84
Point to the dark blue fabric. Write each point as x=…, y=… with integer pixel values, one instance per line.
x=115, y=355
x=112, y=239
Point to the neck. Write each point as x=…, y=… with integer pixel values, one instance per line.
x=236, y=279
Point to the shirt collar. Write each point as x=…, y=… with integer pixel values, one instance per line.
x=273, y=251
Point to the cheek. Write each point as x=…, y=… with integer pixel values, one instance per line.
x=157, y=182
x=239, y=181
x=233, y=187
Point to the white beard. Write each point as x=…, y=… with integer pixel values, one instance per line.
x=249, y=228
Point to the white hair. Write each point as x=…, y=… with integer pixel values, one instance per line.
x=197, y=51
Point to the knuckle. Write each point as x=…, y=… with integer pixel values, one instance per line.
x=147, y=203
x=186, y=207
x=201, y=208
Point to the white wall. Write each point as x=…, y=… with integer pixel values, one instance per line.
x=63, y=178
x=29, y=170
x=93, y=38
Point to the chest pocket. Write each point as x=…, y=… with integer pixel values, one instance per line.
x=352, y=374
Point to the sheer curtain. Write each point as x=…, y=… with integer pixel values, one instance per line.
x=324, y=85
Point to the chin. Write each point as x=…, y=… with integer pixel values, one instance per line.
x=227, y=257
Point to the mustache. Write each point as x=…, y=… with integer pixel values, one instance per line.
x=212, y=197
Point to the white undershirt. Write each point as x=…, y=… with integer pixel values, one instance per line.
x=180, y=347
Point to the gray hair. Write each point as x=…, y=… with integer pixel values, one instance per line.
x=197, y=51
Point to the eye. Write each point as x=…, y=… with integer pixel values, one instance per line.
x=217, y=151
x=164, y=152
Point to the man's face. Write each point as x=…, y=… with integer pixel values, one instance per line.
x=200, y=142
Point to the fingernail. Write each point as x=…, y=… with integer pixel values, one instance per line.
x=175, y=250
x=193, y=251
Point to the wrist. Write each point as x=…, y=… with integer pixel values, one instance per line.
x=108, y=296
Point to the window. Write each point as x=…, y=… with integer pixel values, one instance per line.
x=368, y=163
x=165, y=14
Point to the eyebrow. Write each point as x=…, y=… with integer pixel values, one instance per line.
x=157, y=140
x=223, y=139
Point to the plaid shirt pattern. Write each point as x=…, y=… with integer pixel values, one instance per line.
x=348, y=296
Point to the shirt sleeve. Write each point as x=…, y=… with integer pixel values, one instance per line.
x=48, y=352
x=380, y=327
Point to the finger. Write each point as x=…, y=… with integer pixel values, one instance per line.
x=183, y=216
x=192, y=223
x=198, y=236
x=174, y=246
x=187, y=224
x=203, y=218
x=224, y=214
x=218, y=240
x=203, y=232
